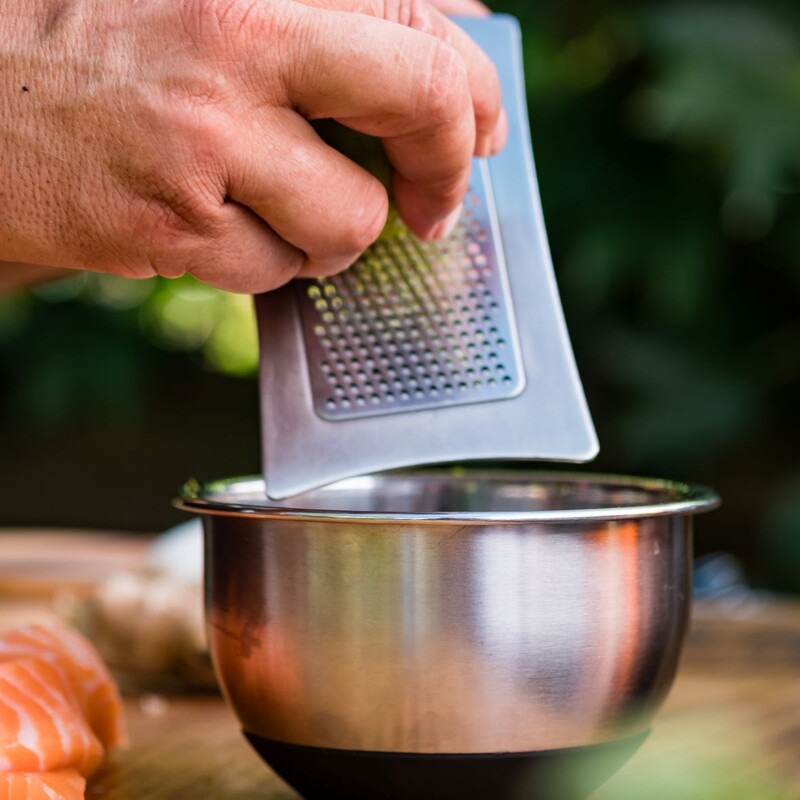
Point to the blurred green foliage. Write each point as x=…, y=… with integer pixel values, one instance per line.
x=667, y=141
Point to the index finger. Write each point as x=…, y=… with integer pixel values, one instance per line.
x=405, y=87
x=427, y=17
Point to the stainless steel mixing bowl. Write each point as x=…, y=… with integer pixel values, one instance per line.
x=438, y=614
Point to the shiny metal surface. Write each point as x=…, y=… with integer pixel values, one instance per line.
x=415, y=324
x=546, y=418
x=469, y=636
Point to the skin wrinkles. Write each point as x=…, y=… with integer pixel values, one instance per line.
x=411, y=13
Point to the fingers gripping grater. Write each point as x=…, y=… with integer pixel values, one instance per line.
x=426, y=353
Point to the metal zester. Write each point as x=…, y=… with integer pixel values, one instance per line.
x=426, y=353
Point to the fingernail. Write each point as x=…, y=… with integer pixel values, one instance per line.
x=448, y=225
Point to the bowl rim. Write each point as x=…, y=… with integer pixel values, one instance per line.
x=686, y=499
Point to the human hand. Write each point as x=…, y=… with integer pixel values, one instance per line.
x=163, y=137
x=461, y=8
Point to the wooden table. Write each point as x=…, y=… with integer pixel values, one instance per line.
x=733, y=717
x=732, y=722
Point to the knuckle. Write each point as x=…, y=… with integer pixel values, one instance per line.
x=444, y=89
x=223, y=20
x=200, y=19
x=366, y=228
x=411, y=13
x=191, y=97
x=360, y=230
x=238, y=262
x=178, y=185
x=346, y=234
x=451, y=192
x=167, y=224
x=280, y=274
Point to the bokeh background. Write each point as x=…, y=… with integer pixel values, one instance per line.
x=667, y=141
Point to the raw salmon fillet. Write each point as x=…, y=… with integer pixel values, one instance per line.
x=80, y=664
x=64, y=784
x=42, y=727
x=59, y=710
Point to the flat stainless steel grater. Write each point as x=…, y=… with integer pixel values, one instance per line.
x=426, y=353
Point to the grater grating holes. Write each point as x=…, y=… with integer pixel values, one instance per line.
x=412, y=324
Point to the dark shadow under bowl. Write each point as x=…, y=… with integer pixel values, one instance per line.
x=321, y=774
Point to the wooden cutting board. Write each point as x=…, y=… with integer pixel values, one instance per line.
x=37, y=562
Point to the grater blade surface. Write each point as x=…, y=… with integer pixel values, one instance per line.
x=333, y=351
x=415, y=325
